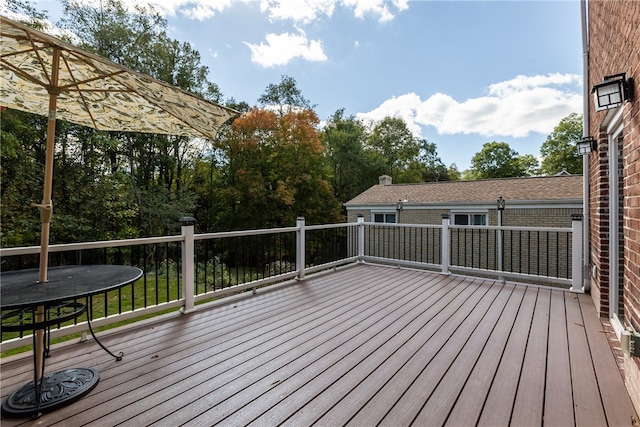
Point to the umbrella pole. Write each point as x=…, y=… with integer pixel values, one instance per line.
x=46, y=206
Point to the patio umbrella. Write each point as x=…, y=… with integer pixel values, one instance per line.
x=44, y=75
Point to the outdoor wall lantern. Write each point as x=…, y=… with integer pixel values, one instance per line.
x=586, y=145
x=612, y=91
x=399, y=205
x=501, y=203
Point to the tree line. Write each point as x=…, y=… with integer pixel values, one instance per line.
x=271, y=164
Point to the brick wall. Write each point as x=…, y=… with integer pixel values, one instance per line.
x=614, y=47
x=515, y=217
x=555, y=217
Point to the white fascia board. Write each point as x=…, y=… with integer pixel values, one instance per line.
x=469, y=206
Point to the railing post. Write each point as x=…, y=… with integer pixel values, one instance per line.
x=188, y=264
x=500, y=253
x=576, y=253
x=360, y=238
x=445, y=243
x=300, y=248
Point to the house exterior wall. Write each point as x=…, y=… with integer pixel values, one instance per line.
x=614, y=47
x=537, y=253
x=514, y=217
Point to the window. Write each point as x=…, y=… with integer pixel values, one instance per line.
x=469, y=219
x=389, y=218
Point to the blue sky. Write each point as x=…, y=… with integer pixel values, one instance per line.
x=461, y=73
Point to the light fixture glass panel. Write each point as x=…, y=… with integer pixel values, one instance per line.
x=584, y=148
x=608, y=95
x=585, y=145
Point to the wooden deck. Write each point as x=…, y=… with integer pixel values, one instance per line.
x=365, y=345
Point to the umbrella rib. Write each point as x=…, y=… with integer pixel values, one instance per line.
x=23, y=74
x=19, y=71
x=77, y=83
x=40, y=60
x=82, y=97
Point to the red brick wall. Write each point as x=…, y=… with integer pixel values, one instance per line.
x=614, y=47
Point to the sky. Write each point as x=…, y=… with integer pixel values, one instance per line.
x=461, y=73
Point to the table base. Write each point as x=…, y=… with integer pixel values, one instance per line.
x=57, y=389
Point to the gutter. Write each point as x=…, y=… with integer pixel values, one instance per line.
x=471, y=206
x=586, y=241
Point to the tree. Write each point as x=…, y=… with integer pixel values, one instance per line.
x=433, y=168
x=393, y=142
x=158, y=165
x=454, y=173
x=560, y=150
x=25, y=8
x=274, y=170
x=353, y=168
x=498, y=160
x=528, y=165
x=284, y=96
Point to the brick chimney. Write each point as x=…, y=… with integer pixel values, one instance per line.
x=384, y=180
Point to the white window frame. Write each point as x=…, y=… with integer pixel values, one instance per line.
x=614, y=131
x=471, y=216
x=385, y=216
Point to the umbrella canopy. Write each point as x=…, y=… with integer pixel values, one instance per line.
x=44, y=75
x=93, y=91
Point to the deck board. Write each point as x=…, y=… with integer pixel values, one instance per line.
x=558, y=385
x=466, y=408
x=364, y=345
x=586, y=396
x=529, y=401
x=498, y=405
x=407, y=408
x=436, y=409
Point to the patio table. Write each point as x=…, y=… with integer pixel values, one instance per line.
x=27, y=304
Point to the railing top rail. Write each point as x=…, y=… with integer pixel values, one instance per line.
x=323, y=226
x=29, y=250
x=512, y=228
x=390, y=224
x=223, y=234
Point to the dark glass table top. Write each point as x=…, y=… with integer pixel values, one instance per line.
x=20, y=288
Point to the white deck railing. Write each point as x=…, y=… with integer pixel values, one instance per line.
x=444, y=248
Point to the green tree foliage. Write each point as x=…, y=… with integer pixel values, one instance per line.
x=22, y=139
x=106, y=184
x=560, y=150
x=498, y=160
x=392, y=140
x=528, y=164
x=353, y=167
x=158, y=165
x=284, y=96
x=453, y=173
x=268, y=167
x=403, y=156
x=33, y=17
x=433, y=168
x=139, y=41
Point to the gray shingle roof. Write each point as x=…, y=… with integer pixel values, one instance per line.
x=549, y=188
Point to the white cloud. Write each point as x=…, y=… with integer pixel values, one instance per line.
x=376, y=7
x=194, y=9
x=527, y=82
x=299, y=11
x=306, y=11
x=202, y=11
x=282, y=48
x=513, y=108
x=404, y=106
